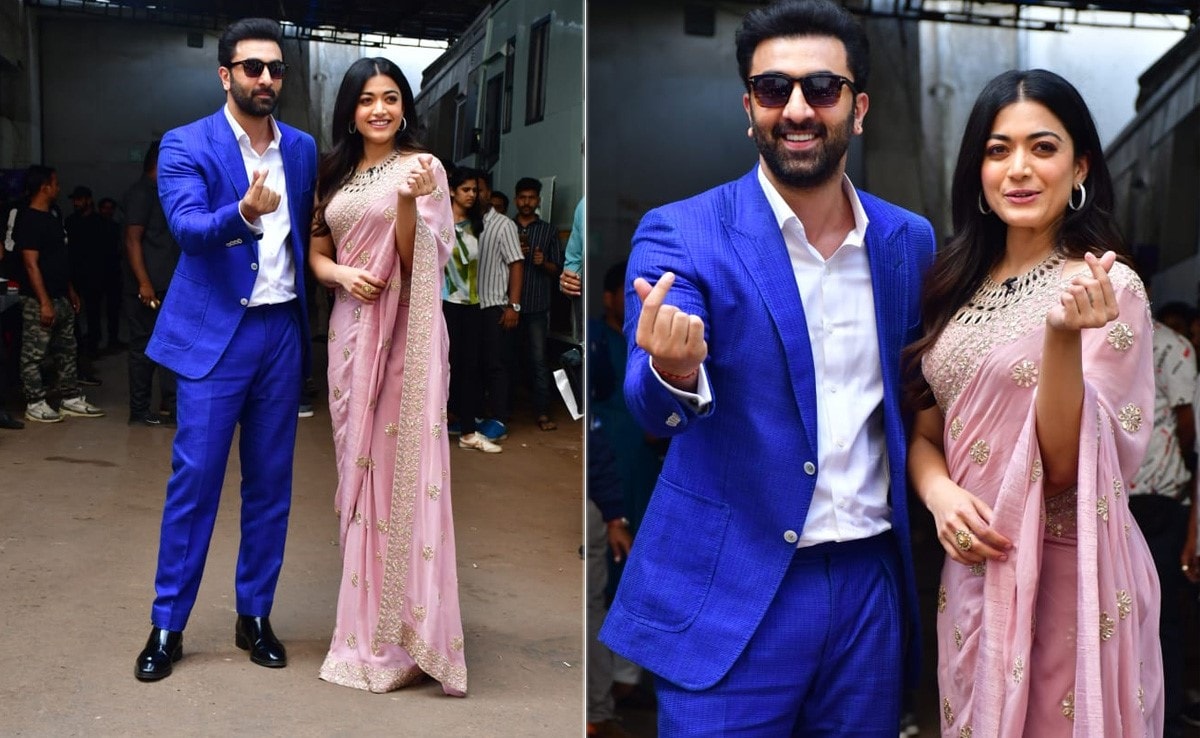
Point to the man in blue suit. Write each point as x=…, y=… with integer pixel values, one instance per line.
x=770, y=587
x=237, y=189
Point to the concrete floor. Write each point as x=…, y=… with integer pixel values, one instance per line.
x=80, y=506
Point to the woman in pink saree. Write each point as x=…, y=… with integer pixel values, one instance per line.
x=1036, y=386
x=382, y=234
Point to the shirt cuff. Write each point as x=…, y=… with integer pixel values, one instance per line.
x=698, y=400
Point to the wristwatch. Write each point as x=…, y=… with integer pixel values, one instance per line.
x=516, y=306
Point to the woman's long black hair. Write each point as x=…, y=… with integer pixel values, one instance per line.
x=979, y=240
x=338, y=165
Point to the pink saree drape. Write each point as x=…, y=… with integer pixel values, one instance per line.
x=1061, y=639
x=398, y=611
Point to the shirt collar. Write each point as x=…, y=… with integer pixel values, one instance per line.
x=783, y=213
x=240, y=133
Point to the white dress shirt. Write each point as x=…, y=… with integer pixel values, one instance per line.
x=276, y=278
x=850, y=498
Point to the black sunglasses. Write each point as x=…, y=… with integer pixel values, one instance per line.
x=254, y=68
x=821, y=90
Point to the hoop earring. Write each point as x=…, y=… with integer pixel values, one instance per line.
x=983, y=210
x=1082, y=198
x=353, y=129
x=403, y=125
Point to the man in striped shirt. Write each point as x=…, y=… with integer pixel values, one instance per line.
x=501, y=269
x=543, y=261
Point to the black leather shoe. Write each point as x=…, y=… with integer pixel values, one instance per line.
x=254, y=635
x=8, y=422
x=163, y=648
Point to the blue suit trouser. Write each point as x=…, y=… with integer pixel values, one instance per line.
x=255, y=384
x=826, y=660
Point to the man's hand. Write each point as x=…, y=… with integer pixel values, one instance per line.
x=259, y=199
x=509, y=318
x=146, y=294
x=619, y=539
x=46, y=314
x=673, y=338
x=570, y=283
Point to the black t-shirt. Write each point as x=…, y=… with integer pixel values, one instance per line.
x=39, y=231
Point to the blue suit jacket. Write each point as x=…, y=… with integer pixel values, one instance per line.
x=710, y=553
x=201, y=179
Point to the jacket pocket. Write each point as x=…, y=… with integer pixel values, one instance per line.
x=180, y=325
x=674, y=558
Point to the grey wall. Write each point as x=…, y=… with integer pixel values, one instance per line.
x=104, y=103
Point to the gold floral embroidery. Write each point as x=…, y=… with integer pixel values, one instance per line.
x=1127, y=530
x=1059, y=514
x=1120, y=336
x=965, y=732
x=358, y=518
x=389, y=214
x=343, y=295
x=947, y=711
x=354, y=579
x=1035, y=473
x=352, y=641
x=941, y=599
x=456, y=643
x=337, y=393
x=438, y=193
x=956, y=428
x=364, y=258
x=980, y=452
x=1141, y=698
x=436, y=430
x=1068, y=705
x=1018, y=671
x=444, y=233
x=1025, y=374
x=1118, y=487
x=391, y=429
x=433, y=491
x=427, y=553
x=1102, y=508
x=358, y=312
x=346, y=353
x=381, y=525
x=1130, y=418
x=418, y=612
x=332, y=335
x=1124, y=603
x=958, y=638
x=979, y=569
x=364, y=462
x=1108, y=627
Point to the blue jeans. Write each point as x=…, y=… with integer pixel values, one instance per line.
x=534, y=329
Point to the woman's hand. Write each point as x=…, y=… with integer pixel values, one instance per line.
x=419, y=181
x=964, y=525
x=360, y=284
x=1088, y=301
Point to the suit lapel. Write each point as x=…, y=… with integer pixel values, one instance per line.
x=889, y=280
x=758, y=243
x=227, y=151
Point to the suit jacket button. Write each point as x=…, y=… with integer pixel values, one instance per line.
x=810, y=468
x=245, y=302
x=790, y=536
x=673, y=420
x=254, y=267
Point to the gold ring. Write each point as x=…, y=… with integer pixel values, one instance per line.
x=368, y=289
x=963, y=539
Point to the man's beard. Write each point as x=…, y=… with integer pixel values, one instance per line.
x=250, y=105
x=807, y=169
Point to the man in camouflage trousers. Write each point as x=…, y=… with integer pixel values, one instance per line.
x=48, y=303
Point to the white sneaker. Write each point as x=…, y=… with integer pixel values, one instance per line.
x=478, y=442
x=79, y=407
x=40, y=412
